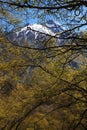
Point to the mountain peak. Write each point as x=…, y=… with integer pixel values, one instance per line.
x=34, y=34
x=54, y=26
x=51, y=22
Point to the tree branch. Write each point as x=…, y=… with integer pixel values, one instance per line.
x=27, y=5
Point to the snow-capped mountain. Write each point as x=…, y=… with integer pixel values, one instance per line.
x=34, y=35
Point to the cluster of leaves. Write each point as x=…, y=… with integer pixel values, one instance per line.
x=38, y=88
x=53, y=97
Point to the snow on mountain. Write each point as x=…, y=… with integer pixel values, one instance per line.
x=41, y=29
x=34, y=35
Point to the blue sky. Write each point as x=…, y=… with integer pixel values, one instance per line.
x=30, y=16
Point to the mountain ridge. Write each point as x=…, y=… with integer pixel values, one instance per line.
x=34, y=34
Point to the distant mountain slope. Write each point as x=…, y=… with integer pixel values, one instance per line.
x=33, y=35
x=54, y=26
x=36, y=35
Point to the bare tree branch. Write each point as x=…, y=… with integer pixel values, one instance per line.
x=72, y=5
